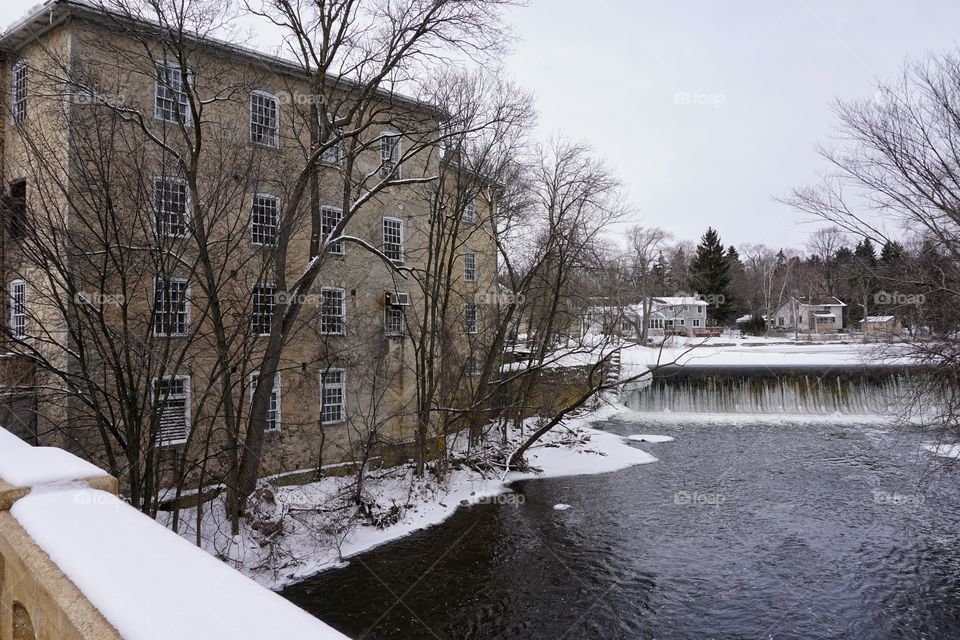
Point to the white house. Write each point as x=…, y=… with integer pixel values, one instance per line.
x=816, y=314
x=669, y=315
x=683, y=315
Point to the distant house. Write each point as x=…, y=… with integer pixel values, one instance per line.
x=679, y=315
x=817, y=314
x=670, y=315
x=881, y=326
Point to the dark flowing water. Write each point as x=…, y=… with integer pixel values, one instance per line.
x=752, y=529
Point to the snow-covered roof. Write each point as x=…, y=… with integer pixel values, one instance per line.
x=675, y=300
x=877, y=319
x=824, y=314
x=820, y=301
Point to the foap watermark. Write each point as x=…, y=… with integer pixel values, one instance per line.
x=709, y=298
x=698, y=499
x=501, y=299
x=98, y=299
x=514, y=499
x=696, y=98
x=898, y=499
x=898, y=298
x=97, y=497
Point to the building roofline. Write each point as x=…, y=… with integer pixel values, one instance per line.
x=45, y=17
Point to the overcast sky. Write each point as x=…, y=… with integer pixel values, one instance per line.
x=759, y=76
x=709, y=109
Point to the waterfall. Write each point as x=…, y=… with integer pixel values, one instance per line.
x=799, y=393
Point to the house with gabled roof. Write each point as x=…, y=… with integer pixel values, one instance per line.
x=809, y=314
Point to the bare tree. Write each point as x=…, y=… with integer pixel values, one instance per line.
x=898, y=166
x=644, y=248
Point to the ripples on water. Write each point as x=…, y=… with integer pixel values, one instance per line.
x=742, y=530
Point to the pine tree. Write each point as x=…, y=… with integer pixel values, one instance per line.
x=892, y=253
x=660, y=275
x=866, y=252
x=710, y=276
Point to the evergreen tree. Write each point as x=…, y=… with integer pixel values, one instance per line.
x=892, y=254
x=866, y=253
x=710, y=276
x=660, y=275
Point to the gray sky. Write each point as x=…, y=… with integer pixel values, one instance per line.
x=759, y=74
x=708, y=109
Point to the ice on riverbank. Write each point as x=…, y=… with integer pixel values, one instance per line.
x=653, y=439
x=294, y=532
x=944, y=450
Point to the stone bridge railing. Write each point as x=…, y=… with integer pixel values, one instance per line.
x=77, y=563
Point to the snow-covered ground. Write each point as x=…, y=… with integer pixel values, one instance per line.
x=314, y=532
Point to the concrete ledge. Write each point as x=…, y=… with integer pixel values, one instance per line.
x=55, y=606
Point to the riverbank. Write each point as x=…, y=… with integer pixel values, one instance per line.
x=296, y=531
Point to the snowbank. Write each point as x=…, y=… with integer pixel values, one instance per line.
x=25, y=466
x=148, y=582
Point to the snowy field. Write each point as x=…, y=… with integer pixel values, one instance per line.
x=297, y=531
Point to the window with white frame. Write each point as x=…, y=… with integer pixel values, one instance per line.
x=333, y=396
x=172, y=397
x=470, y=211
x=696, y=322
x=170, y=203
x=265, y=220
x=330, y=217
x=390, y=154
x=393, y=239
x=273, y=405
x=470, y=267
x=262, y=299
x=470, y=317
x=655, y=323
x=18, y=308
x=394, y=321
x=264, y=119
x=332, y=311
x=170, y=97
x=470, y=367
x=171, y=307
x=334, y=153
x=18, y=91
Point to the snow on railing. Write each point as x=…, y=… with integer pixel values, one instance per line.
x=148, y=582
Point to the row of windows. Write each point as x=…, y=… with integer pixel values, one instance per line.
x=660, y=323
x=173, y=216
x=173, y=396
x=171, y=104
x=171, y=316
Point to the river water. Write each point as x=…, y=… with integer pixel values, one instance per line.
x=747, y=527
